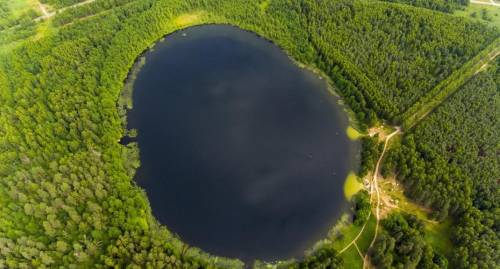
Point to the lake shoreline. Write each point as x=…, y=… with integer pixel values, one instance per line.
x=137, y=67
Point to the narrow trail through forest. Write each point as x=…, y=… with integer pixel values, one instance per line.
x=373, y=189
x=375, y=183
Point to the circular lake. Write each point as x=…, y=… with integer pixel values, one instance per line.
x=243, y=153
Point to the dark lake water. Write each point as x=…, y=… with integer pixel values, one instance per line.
x=243, y=153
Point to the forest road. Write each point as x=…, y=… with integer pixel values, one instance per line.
x=47, y=15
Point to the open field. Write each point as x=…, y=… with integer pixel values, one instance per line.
x=352, y=185
x=348, y=233
x=488, y=14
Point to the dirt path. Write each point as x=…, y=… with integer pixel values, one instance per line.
x=43, y=9
x=47, y=15
x=357, y=236
x=359, y=251
x=373, y=189
x=375, y=183
x=490, y=3
x=484, y=66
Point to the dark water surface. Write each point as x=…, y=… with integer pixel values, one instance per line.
x=243, y=153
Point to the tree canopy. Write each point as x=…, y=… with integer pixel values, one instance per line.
x=67, y=194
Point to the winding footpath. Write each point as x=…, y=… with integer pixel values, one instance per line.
x=375, y=183
x=373, y=189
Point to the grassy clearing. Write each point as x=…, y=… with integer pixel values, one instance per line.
x=437, y=233
x=344, y=233
x=438, y=236
x=353, y=134
x=188, y=19
x=482, y=13
x=393, y=198
x=351, y=258
x=365, y=240
x=352, y=185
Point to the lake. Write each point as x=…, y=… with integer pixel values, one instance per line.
x=243, y=153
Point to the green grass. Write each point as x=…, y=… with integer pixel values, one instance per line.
x=438, y=236
x=347, y=233
x=352, y=185
x=492, y=13
x=351, y=258
x=365, y=239
x=188, y=19
x=353, y=134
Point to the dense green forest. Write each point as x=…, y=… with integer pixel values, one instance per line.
x=424, y=49
x=449, y=86
x=450, y=163
x=402, y=245
x=66, y=185
x=363, y=207
x=369, y=155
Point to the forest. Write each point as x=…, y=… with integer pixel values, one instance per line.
x=402, y=245
x=450, y=162
x=67, y=193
